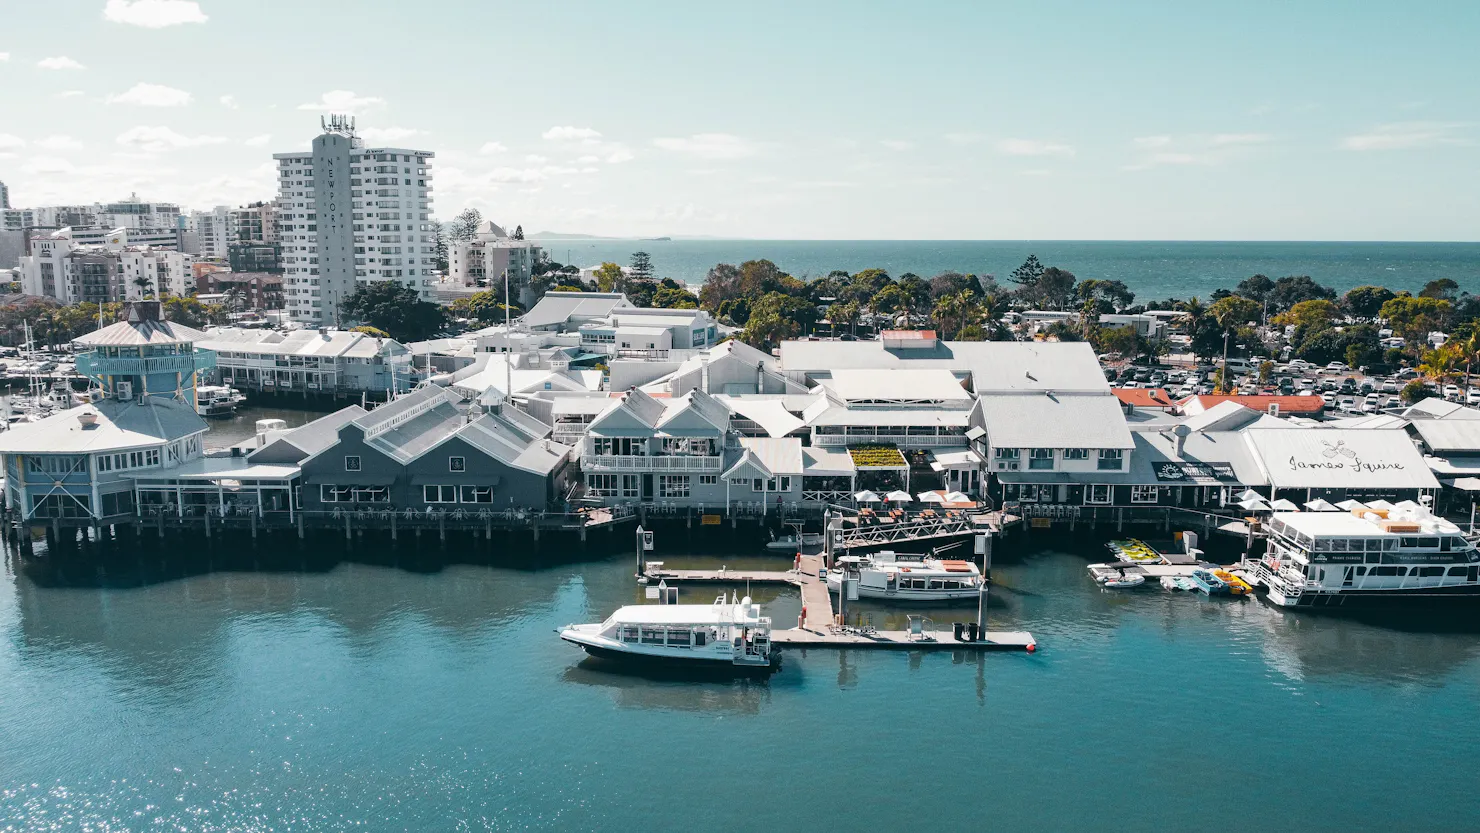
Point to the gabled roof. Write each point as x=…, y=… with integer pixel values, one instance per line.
x=1436, y=408
x=561, y=307
x=318, y=435
x=993, y=365
x=1305, y=405
x=779, y=455
x=1056, y=420
x=504, y=440
x=1335, y=458
x=1449, y=436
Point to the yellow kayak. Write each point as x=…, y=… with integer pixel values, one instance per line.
x=1236, y=585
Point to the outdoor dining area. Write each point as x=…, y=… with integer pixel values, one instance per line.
x=899, y=506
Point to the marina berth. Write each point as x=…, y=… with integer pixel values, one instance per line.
x=727, y=633
x=1364, y=557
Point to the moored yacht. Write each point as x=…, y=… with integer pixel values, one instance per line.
x=907, y=578
x=730, y=633
x=217, y=400
x=1366, y=557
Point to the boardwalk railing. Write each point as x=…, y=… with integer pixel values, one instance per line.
x=912, y=530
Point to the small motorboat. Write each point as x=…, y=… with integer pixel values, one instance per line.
x=1209, y=583
x=1236, y=585
x=1178, y=583
x=1123, y=581
x=791, y=543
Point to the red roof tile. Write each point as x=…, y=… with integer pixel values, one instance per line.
x=1144, y=397
x=1288, y=404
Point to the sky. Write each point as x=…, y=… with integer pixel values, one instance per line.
x=1044, y=120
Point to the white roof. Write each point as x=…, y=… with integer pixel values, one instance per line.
x=709, y=614
x=1058, y=420
x=1436, y=408
x=827, y=462
x=935, y=384
x=906, y=416
x=218, y=468
x=560, y=307
x=993, y=365
x=1340, y=458
x=779, y=456
x=1345, y=523
x=119, y=425
x=1450, y=436
x=769, y=413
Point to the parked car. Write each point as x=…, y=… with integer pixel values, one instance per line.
x=1390, y=386
x=1337, y=367
x=1451, y=392
x=1472, y=396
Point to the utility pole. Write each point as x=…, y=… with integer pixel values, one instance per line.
x=1223, y=386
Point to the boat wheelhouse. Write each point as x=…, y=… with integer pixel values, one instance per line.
x=217, y=400
x=1366, y=556
x=907, y=578
x=724, y=633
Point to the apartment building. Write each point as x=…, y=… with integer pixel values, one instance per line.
x=348, y=214
x=213, y=231
x=310, y=361
x=481, y=263
x=116, y=270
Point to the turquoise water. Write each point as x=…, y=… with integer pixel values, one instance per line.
x=1153, y=270
x=405, y=693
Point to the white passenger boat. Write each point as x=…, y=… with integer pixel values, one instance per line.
x=791, y=543
x=907, y=578
x=217, y=400
x=726, y=633
x=1366, y=557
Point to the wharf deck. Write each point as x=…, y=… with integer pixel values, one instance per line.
x=815, y=628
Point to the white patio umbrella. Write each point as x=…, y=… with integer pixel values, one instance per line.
x=958, y=497
x=1257, y=504
x=1349, y=505
x=866, y=496
x=931, y=497
x=1283, y=505
x=1379, y=503
x=1321, y=505
x=1248, y=494
x=898, y=496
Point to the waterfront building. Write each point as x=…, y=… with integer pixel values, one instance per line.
x=429, y=449
x=480, y=264
x=81, y=463
x=349, y=214
x=322, y=361
x=642, y=448
x=566, y=311
x=71, y=272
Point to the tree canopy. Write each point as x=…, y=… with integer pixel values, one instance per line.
x=396, y=309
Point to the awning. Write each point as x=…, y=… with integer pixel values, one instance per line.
x=1467, y=484
x=770, y=414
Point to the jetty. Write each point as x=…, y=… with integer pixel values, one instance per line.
x=818, y=626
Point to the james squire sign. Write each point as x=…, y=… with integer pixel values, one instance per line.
x=1342, y=457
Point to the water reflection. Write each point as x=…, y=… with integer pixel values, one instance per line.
x=680, y=689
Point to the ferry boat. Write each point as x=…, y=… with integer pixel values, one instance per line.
x=726, y=633
x=907, y=578
x=1366, y=557
x=217, y=400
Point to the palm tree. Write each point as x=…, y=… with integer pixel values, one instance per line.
x=235, y=299
x=1439, y=364
x=845, y=312
x=952, y=311
x=989, y=312
x=146, y=286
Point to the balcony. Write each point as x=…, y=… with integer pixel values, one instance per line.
x=640, y=462
x=93, y=365
x=901, y=440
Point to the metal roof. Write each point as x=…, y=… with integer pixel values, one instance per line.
x=561, y=307
x=1450, y=436
x=319, y=434
x=1055, y=420
x=1339, y=458
x=827, y=462
x=220, y=468
x=936, y=384
x=120, y=425
x=125, y=334
x=993, y=365
x=780, y=456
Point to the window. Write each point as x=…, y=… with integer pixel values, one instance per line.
x=1076, y=454
x=457, y=464
x=372, y=494
x=351, y=463
x=1005, y=453
x=1145, y=494
x=1040, y=458
x=476, y=494
x=601, y=485
x=786, y=484
x=329, y=493
x=1110, y=459
x=708, y=480
x=439, y=494
x=673, y=486
x=1097, y=493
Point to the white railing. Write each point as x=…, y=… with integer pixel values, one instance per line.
x=638, y=462
x=906, y=440
x=816, y=496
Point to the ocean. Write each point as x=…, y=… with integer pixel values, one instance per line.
x=303, y=687
x=1153, y=270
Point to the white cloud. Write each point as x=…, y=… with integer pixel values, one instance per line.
x=1240, y=138
x=490, y=148
x=587, y=160
x=536, y=159
x=1406, y=135
x=1033, y=147
x=152, y=95
x=69, y=93
x=897, y=144
x=515, y=175
x=159, y=139
x=343, y=101
x=710, y=146
x=619, y=156
x=258, y=141
x=9, y=142
x=229, y=101
x=153, y=14
x=588, y=171
x=59, y=143
x=963, y=138
x=571, y=134
x=59, y=62
x=1151, y=141
x=389, y=134
x=4, y=56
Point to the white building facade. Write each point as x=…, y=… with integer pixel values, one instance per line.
x=71, y=272
x=349, y=215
